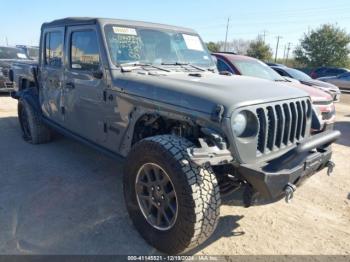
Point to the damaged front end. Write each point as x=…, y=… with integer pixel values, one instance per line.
x=265, y=165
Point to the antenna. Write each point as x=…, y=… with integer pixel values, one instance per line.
x=227, y=26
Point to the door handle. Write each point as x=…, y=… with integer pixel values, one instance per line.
x=70, y=85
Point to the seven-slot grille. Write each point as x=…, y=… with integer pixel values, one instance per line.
x=282, y=125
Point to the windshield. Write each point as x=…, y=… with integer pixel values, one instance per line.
x=296, y=74
x=156, y=47
x=255, y=68
x=12, y=53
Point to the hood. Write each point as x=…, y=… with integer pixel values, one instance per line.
x=320, y=84
x=7, y=63
x=205, y=91
x=316, y=94
x=325, y=78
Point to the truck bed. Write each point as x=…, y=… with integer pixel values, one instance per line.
x=22, y=70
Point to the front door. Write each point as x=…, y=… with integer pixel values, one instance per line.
x=52, y=74
x=84, y=84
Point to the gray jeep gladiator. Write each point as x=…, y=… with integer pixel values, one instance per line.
x=191, y=137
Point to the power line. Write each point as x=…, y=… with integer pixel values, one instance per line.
x=281, y=22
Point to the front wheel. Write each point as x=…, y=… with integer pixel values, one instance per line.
x=33, y=129
x=173, y=203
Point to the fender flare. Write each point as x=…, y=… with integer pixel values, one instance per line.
x=30, y=97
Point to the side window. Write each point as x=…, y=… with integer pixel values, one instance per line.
x=335, y=71
x=54, y=49
x=340, y=71
x=222, y=66
x=84, y=51
x=320, y=70
x=281, y=72
x=345, y=76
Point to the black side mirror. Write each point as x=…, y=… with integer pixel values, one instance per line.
x=98, y=74
x=34, y=71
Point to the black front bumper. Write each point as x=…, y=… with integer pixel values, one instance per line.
x=270, y=180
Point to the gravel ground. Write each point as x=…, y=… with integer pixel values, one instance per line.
x=65, y=198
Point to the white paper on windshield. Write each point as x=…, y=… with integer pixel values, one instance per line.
x=124, y=30
x=193, y=42
x=19, y=55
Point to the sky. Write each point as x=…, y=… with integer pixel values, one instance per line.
x=290, y=19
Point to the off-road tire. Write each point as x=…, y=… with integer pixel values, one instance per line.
x=197, y=190
x=36, y=132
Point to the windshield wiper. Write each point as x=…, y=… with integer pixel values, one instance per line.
x=132, y=66
x=185, y=64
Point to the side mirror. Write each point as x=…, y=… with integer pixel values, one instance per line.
x=34, y=71
x=98, y=74
x=225, y=73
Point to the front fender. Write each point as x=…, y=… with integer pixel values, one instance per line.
x=29, y=96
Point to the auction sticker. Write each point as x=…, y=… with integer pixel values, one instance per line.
x=193, y=42
x=124, y=30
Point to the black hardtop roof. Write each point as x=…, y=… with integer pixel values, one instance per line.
x=103, y=21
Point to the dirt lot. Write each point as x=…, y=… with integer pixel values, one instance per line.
x=65, y=198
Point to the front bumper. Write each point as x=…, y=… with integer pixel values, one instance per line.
x=269, y=181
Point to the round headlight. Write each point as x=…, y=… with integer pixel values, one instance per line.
x=239, y=123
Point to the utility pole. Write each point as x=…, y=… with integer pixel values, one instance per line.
x=7, y=41
x=264, y=35
x=288, y=49
x=278, y=41
x=227, y=27
x=284, y=52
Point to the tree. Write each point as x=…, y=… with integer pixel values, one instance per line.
x=260, y=50
x=325, y=46
x=239, y=46
x=213, y=47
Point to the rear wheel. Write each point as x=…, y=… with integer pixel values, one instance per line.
x=33, y=129
x=173, y=203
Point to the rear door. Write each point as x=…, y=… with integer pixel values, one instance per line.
x=52, y=73
x=84, y=84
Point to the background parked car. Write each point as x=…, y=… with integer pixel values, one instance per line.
x=248, y=66
x=307, y=80
x=8, y=55
x=342, y=81
x=327, y=71
x=273, y=64
x=31, y=51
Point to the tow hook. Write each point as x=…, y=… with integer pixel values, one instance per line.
x=289, y=191
x=331, y=166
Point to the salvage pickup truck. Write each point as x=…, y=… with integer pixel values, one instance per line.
x=151, y=93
